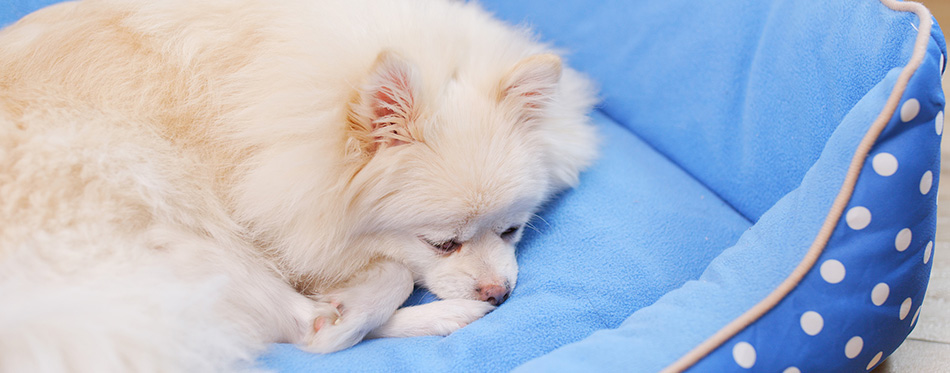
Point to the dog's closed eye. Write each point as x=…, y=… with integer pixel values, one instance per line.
x=509, y=233
x=446, y=247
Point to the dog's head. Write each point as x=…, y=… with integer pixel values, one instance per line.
x=453, y=167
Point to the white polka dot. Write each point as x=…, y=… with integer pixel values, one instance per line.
x=885, y=164
x=902, y=241
x=853, y=347
x=876, y=359
x=812, y=322
x=914, y=320
x=832, y=271
x=744, y=354
x=792, y=370
x=926, y=182
x=938, y=123
x=858, y=217
x=905, y=308
x=909, y=110
x=927, y=251
x=879, y=294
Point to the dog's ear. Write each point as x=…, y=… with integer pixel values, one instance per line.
x=531, y=83
x=385, y=107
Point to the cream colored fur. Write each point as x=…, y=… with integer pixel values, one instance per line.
x=182, y=182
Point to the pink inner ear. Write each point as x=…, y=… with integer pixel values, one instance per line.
x=393, y=99
x=392, y=105
x=384, y=103
x=386, y=109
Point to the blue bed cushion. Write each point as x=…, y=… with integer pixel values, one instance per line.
x=741, y=94
x=13, y=10
x=656, y=336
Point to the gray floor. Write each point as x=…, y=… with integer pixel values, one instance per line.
x=928, y=347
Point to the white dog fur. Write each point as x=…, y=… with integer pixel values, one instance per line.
x=182, y=182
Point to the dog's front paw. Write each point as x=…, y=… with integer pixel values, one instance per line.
x=324, y=335
x=364, y=303
x=335, y=329
x=437, y=318
x=453, y=314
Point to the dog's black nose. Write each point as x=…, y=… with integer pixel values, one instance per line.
x=494, y=294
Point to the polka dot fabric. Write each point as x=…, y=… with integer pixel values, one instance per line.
x=863, y=296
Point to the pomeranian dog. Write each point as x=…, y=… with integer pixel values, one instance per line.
x=183, y=182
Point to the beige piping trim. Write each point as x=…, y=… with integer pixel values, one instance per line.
x=837, y=208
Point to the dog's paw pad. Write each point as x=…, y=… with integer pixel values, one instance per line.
x=327, y=314
x=318, y=323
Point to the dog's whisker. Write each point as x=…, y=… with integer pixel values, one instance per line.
x=538, y=217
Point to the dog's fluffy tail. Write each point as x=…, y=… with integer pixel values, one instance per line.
x=113, y=318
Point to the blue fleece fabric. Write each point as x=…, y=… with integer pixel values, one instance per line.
x=741, y=94
x=13, y=10
x=715, y=115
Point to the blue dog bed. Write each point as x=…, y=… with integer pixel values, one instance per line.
x=765, y=198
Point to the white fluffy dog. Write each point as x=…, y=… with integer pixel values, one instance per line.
x=182, y=182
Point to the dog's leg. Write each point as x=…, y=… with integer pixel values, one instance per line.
x=437, y=318
x=364, y=303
